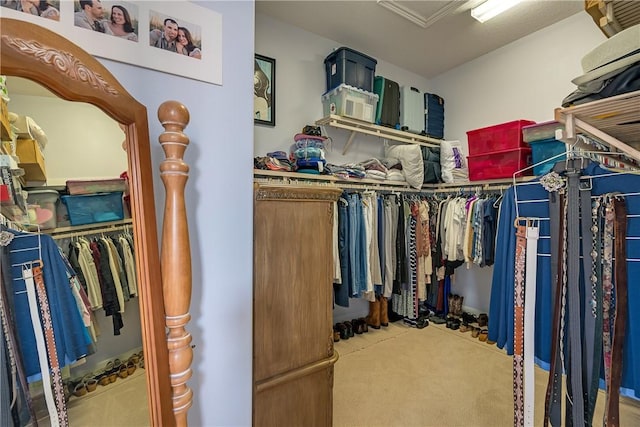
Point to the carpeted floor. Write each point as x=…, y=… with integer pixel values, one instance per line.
x=402, y=376
x=120, y=404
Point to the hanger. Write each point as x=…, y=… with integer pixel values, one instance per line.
x=496, y=203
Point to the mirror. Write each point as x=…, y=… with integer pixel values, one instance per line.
x=37, y=54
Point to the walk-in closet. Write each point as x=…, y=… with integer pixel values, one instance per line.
x=278, y=333
x=493, y=297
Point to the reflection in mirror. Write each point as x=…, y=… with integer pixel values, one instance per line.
x=103, y=377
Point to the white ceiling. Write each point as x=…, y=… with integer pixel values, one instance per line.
x=451, y=39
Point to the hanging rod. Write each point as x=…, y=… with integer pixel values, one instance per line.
x=83, y=230
x=295, y=178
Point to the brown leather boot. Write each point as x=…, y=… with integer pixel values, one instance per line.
x=459, y=306
x=384, y=313
x=373, y=319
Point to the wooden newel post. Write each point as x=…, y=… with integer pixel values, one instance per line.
x=176, y=255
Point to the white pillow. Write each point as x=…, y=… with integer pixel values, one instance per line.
x=411, y=160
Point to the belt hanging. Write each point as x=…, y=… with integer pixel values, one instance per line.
x=529, y=322
x=595, y=283
x=589, y=381
x=552, y=407
x=607, y=292
x=54, y=365
x=620, y=317
x=27, y=275
x=575, y=402
x=518, y=327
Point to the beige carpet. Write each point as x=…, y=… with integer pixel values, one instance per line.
x=120, y=404
x=402, y=376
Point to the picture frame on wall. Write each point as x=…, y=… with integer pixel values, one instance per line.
x=264, y=90
x=179, y=38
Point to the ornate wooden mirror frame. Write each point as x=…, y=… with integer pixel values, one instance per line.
x=35, y=53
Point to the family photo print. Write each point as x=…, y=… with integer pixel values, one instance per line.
x=180, y=38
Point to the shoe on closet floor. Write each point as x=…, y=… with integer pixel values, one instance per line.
x=437, y=320
x=363, y=322
x=79, y=389
x=469, y=318
x=373, y=319
x=349, y=326
x=384, y=311
x=422, y=322
x=483, y=320
x=342, y=329
x=357, y=327
x=336, y=333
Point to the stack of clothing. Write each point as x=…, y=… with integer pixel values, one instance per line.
x=308, y=153
x=394, y=169
x=374, y=169
x=346, y=171
x=612, y=68
x=275, y=161
x=385, y=169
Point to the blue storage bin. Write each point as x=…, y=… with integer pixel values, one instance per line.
x=350, y=67
x=546, y=149
x=92, y=208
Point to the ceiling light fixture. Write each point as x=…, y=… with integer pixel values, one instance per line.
x=492, y=8
x=404, y=12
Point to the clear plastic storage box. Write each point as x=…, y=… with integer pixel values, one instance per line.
x=42, y=208
x=349, y=101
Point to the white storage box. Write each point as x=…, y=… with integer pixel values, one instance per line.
x=348, y=101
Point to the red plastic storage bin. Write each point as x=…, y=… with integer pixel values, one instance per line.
x=499, y=164
x=505, y=136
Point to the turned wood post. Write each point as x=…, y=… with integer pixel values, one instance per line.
x=176, y=255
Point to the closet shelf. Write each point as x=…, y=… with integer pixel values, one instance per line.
x=357, y=126
x=612, y=16
x=267, y=176
x=614, y=121
x=98, y=227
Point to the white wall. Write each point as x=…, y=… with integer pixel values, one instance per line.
x=300, y=83
x=526, y=79
x=83, y=142
x=219, y=206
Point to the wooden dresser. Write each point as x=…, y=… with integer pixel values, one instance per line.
x=293, y=353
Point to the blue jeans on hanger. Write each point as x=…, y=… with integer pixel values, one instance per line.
x=344, y=289
x=357, y=246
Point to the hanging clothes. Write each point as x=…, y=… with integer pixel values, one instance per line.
x=394, y=244
x=71, y=337
x=15, y=401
